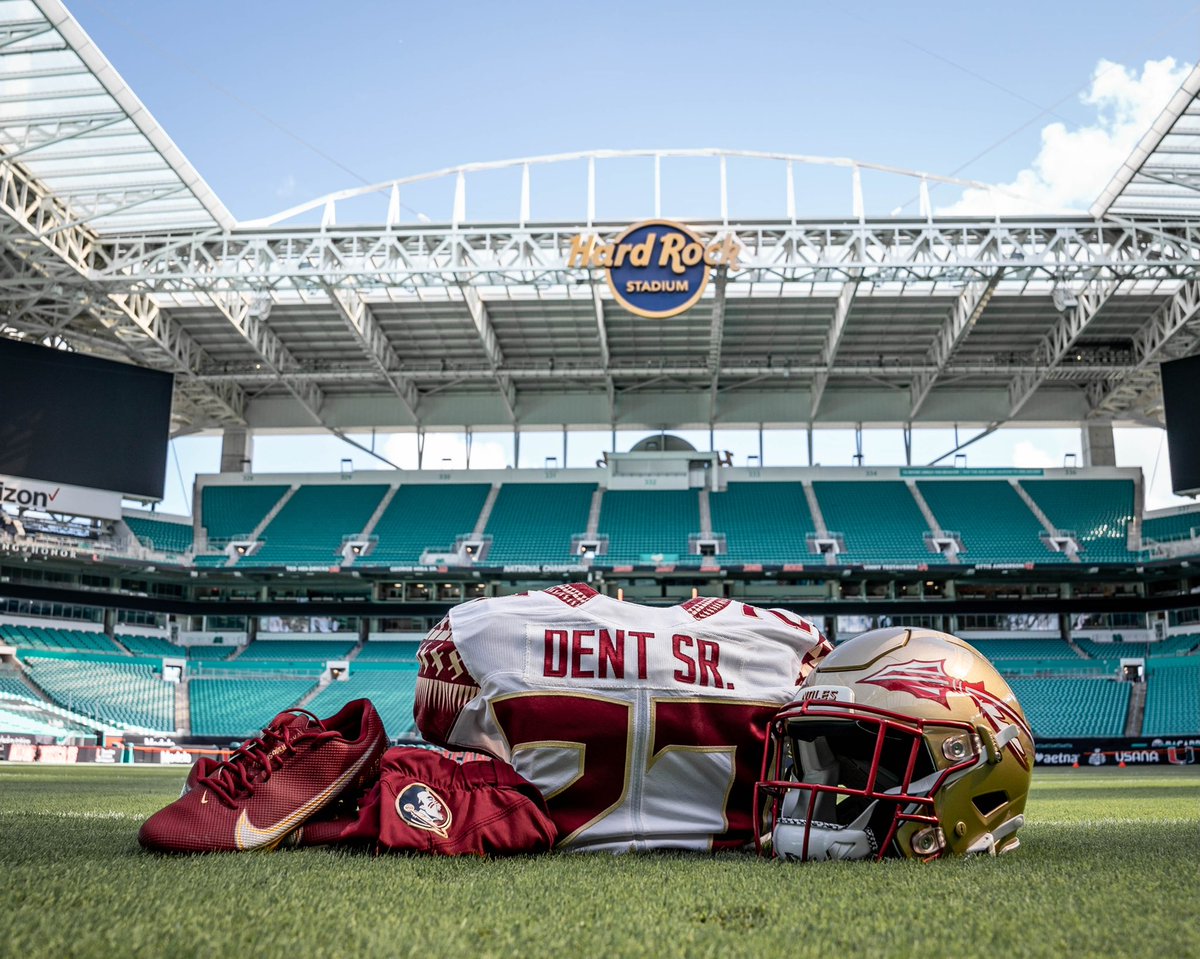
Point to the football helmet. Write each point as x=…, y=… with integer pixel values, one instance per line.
x=901, y=743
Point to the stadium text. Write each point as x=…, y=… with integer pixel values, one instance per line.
x=675, y=251
x=33, y=499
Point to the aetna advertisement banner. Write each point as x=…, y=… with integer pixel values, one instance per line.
x=58, y=498
x=76, y=419
x=1155, y=751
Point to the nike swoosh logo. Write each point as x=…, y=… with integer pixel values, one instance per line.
x=246, y=835
x=204, y=798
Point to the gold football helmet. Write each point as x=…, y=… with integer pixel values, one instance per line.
x=901, y=743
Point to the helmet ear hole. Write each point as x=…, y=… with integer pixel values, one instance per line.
x=988, y=803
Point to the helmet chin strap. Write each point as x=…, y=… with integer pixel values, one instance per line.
x=826, y=840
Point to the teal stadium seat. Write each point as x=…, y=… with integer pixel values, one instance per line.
x=161, y=535
x=210, y=653
x=641, y=525
x=1098, y=511
x=1171, y=646
x=764, y=523
x=1172, y=698
x=880, y=521
x=312, y=526
x=121, y=694
x=998, y=650
x=298, y=650
x=534, y=522
x=50, y=637
x=233, y=512
x=239, y=708
x=1073, y=707
x=995, y=524
x=1176, y=526
x=391, y=687
x=387, y=651
x=150, y=646
x=12, y=686
x=425, y=517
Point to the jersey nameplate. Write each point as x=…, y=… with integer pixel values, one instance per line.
x=585, y=656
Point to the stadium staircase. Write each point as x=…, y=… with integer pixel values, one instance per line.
x=1047, y=525
x=373, y=521
x=311, y=694
x=893, y=531
x=23, y=676
x=183, y=708
x=1097, y=511
x=706, y=523
x=485, y=512
x=593, y=521
x=1078, y=649
x=1137, y=709
x=424, y=517
x=935, y=528
x=814, y=507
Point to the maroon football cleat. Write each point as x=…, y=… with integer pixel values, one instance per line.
x=200, y=768
x=299, y=766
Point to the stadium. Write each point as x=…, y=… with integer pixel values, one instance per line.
x=134, y=641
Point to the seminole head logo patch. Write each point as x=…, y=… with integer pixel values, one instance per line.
x=421, y=807
x=656, y=268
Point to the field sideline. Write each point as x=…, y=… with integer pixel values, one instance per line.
x=1110, y=866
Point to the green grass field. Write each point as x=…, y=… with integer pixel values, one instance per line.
x=1109, y=866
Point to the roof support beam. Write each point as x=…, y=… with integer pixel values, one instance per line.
x=358, y=317
x=1157, y=340
x=275, y=355
x=1054, y=346
x=491, y=347
x=63, y=255
x=48, y=133
x=715, y=339
x=833, y=339
x=610, y=390
x=967, y=310
x=137, y=315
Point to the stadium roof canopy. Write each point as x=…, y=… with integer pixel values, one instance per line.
x=1162, y=175
x=111, y=243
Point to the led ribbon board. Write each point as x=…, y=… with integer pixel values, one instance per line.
x=656, y=268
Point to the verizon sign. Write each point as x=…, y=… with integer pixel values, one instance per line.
x=16, y=493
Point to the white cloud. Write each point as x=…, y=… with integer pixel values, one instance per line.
x=1028, y=456
x=1074, y=165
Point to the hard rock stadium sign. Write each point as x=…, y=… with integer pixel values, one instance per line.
x=656, y=268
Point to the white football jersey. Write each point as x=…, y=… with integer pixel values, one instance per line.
x=643, y=727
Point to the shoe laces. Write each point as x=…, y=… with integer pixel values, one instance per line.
x=253, y=762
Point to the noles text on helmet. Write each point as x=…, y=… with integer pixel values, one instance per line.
x=902, y=743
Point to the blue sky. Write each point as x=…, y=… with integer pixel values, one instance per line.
x=276, y=103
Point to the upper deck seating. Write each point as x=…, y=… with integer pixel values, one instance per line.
x=880, y=521
x=234, y=512
x=313, y=525
x=424, y=517
x=764, y=522
x=535, y=522
x=161, y=535
x=1098, y=512
x=649, y=527
x=994, y=523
